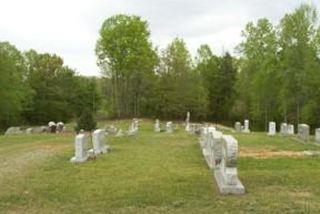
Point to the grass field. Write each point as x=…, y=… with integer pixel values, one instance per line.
x=154, y=173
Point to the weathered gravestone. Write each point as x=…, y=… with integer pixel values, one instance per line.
x=225, y=170
x=303, y=131
x=290, y=129
x=237, y=126
x=188, y=122
x=111, y=129
x=60, y=127
x=157, y=126
x=81, y=154
x=284, y=129
x=317, y=133
x=246, y=127
x=13, y=131
x=99, y=142
x=52, y=127
x=208, y=143
x=169, y=127
x=40, y=129
x=134, y=127
x=272, y=128
x=29, y=130
x=204, y=133
x=221, y=152
x=196, y=128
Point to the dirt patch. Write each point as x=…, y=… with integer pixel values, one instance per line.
x=263, y=154
x=301, y=194
x=11, y=165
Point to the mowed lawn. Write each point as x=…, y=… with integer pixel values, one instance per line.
x=154, y=173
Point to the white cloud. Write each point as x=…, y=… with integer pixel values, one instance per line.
x=70, y=28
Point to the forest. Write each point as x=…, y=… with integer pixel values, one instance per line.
x=274, y=75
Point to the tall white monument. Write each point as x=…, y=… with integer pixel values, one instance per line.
x=246, y=127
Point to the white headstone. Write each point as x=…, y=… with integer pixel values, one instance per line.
x=237, y=126
x=290, y=129
x=246, y=127
x=226, y=172
x=134, y=127
x=284, y=129
x=60, y=127
x=81, y=154
x=221, y=152
x=303, y=131
x=99, y=142
x=13, y=131
x=317, y=133
x=272, y=128
x=29, y=130
x=169, y=127
x=52, y=127
x=157, y=126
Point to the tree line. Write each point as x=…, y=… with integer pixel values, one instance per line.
x=36, y=88
x=274, y=76
x=143, y=81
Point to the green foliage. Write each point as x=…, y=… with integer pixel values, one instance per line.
x=86, y=121
x=127, y=57
x=86, y=95
x=180, y=86
x=280, y=73
x=52, y=85
x=276, y=78
x=219, y=76
x=37, y=88
x=13, y=91
x=259, y=70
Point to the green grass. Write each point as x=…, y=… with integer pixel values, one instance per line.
x=152, y=173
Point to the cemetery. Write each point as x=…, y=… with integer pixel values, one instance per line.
x=159, y=107
x=179, y=171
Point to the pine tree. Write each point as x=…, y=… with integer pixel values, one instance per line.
x=86, y=121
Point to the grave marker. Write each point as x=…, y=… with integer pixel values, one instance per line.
x=272, y=128
x=246, y=127
x=157, y=126
x=169, y=127
x=317, y=133
x=81, y=154
x=303, y=131
x=237, y=126
x=99, y=142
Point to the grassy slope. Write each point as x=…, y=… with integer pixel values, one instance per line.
x=151, y=173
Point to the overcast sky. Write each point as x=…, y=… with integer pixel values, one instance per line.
x=70, y=28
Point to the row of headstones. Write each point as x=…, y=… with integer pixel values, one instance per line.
x=221, y=153
x=169, y=128
x=133, y=129
x=245, y=128
x=288, y=129
x=285, y=129
x=82, y=153
x=51, y=128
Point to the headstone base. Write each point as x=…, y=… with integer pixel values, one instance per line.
x=224, y=188
x=95, y=152
x=78, y=160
